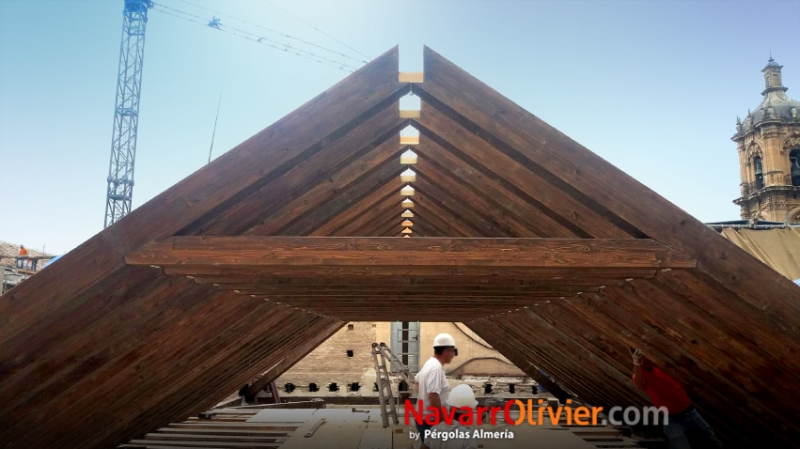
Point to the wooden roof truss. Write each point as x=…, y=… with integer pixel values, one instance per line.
x=553, y=256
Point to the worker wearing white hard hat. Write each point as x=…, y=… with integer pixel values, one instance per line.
x=456, y=435
x=431, y=381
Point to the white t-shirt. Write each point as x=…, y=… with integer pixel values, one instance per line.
x=454, y=439
x=432, y=379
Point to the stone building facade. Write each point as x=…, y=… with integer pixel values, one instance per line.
x=768, y=143
x=345, y=359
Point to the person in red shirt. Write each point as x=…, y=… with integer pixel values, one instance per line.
x=685, y=428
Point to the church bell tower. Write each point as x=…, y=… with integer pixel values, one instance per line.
x=768, y=143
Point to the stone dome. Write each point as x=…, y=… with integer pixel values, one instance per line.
x=775, y=106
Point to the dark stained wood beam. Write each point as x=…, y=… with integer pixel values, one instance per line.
x=431, y=282
x=546, y=207
x=372, y=271
x=374, y=218
x=405, y=290
x=489, y=198
x=318, y=177
x=397, y=302
x=253, y=251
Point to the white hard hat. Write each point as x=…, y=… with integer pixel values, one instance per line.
x=462, y=396
x=444, y=340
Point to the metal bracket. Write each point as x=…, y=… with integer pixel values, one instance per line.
x=315, y=427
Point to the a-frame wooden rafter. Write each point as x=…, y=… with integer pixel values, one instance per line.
x=155, y=345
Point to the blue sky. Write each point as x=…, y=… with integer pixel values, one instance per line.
x=653, y=87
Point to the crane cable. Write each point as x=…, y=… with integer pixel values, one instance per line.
x=258, y=39
x=312, y=26
x=284, y=34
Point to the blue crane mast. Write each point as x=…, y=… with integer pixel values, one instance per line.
x=126, y=112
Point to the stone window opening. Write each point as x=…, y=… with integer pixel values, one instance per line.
x=758, y=172
x=794, y=162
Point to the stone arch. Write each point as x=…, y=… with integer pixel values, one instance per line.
x=791, y=143
x=752, y=151
x=794, y=215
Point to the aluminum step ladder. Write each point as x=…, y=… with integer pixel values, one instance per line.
x=380, y=353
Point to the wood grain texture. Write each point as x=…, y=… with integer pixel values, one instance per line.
x=254, y=251
x=549, y=253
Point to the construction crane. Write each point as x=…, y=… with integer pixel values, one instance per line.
x=126, y=111
x=129, y=81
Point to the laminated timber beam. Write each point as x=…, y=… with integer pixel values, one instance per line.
x=432, y=282
x=323, y=252
x=463, y=273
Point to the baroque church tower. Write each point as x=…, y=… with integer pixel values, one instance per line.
x=768, y=142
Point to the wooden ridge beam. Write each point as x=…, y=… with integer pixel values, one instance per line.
x=250, y=251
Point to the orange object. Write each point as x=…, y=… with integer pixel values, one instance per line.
x=23, y=251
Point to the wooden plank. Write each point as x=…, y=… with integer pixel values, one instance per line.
x=377, y=166
x=521, y=362
x=387, y=173
x=475, y=211
x=543, y=349
x=551, y=209
x=717, y=394
x=223, y=376
x=407, y=290
x=354, y=210
x=351, y=251
x=154, y=375
x=434, y=213
x=331, y=168
x=431, y=281
x=174, y=384
x=380, y=271
x=411, y=77
x=570, y=375
x=736, y=315
x=378, y=215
